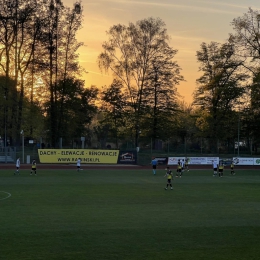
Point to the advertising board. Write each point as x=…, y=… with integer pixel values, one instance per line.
x=243, y=161
x=71, y=156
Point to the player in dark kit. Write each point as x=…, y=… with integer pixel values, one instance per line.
x=168, y=174
x=187, y=164
x=33, y=167
x=221, y=169
x=232, y=171
x=179, y=169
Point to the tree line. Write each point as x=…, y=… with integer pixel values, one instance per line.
x=41, y=90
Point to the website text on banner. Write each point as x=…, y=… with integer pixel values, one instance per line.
x=71, y=156
x=209, y=160
x=245, y=161
x=193, y=160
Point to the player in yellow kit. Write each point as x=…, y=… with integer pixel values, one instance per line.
x=168, y=174
x=179, y=169
x=232, y=170
x=186, y=165
x=220, y=169
x=33, y=167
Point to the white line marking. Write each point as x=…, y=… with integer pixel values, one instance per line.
x=8, y=195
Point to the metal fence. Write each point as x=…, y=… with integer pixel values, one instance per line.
x=7, y=154
x=10, y=154
x=171, y=148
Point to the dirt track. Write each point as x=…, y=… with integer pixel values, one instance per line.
x=116, y=166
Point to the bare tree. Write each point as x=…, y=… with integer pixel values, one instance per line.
x=131, y=52
x=246, y=37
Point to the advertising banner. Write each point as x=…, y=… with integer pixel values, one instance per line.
x=198, y=160
x=243, y=161
x=256, y=161
x=127, y=157
x=174, y=160
x=161, y=160
x=193, y=160
x=226, y=161
x=210, y=160
x=71, y=156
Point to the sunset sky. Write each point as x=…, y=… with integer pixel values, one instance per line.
x=188, y=22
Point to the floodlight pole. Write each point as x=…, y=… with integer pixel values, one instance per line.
x=5, y=122
x=22, y=133
x=238, y=133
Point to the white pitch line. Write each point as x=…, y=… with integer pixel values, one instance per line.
x=8, y=195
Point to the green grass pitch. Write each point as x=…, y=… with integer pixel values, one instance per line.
x=127, y=214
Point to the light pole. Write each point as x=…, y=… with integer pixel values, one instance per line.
x=185, y=146
x=22, y=134
x=137, y=141
x=5, y=115
x=238, y=128
x=238, y=134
